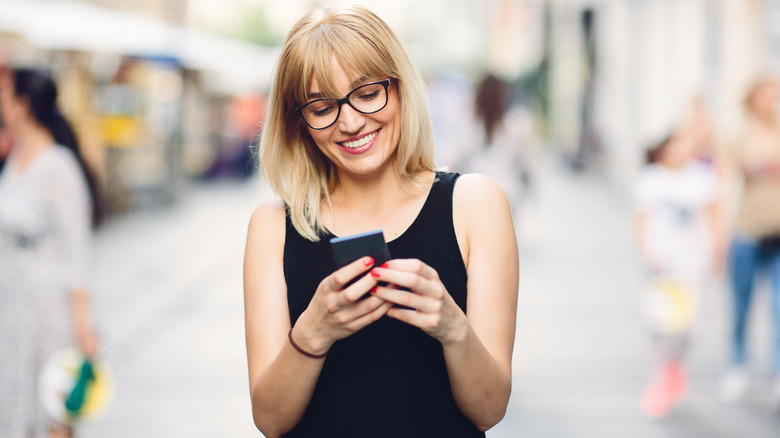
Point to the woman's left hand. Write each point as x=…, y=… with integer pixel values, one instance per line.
x=428, y=304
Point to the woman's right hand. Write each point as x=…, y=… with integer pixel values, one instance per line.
x=336, y=311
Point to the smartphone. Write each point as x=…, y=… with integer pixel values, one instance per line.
x=350, y=248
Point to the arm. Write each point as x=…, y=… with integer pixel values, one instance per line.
x=70, y=215
x=477, y=346
x=282, y=379
x=480, y=365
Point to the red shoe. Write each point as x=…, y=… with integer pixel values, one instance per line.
x=665, y=393
x=677, y=380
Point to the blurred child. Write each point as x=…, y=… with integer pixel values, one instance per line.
x=675, y=224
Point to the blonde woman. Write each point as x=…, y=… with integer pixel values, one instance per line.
x=419, y=346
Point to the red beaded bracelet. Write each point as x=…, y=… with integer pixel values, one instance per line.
x=304, y=352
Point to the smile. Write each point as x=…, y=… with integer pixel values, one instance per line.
x=362, y=141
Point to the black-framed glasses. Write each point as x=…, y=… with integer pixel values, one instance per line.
x=365, y=99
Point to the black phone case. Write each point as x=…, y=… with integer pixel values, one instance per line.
x=350, y=248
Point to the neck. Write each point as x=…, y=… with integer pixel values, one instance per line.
x=368, y=192
x=31, y=141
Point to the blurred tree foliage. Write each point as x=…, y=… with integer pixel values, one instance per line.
x=253, y=27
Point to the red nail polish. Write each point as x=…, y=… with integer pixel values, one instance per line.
x=369, y=261
x=374, y=273
x=373, y=290
x=384, y=265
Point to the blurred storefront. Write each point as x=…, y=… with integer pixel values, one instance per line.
x=150, y=98
x=157, y=100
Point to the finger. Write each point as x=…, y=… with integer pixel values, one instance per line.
x=370, y=317
x=358, y=310
x=410, y=280
x=359, y=288
x=412, y=265
x=340, y=277
x=424, y=321
x=408, y=299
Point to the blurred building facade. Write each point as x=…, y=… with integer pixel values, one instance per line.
x=152, y=93
x=151, y=97
x=623, y=73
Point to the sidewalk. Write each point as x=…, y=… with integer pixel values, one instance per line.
x=168, y=300
x=581, y=356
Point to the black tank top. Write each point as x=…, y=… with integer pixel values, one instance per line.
x=389, y=379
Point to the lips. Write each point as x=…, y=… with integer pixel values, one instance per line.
x=359, y=144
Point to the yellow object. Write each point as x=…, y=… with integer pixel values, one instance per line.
x=668, y=306
x=121, y=131
x=59, y=376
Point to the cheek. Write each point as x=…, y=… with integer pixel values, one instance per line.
x=319, y=138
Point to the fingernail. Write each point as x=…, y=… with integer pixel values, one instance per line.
x=374, y=273
x=368, y=261
x=373, y=290
x=384, y=265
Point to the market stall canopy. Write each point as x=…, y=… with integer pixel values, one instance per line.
x=80, y=26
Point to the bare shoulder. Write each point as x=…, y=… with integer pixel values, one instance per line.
x=266, y=225
x=477, y=196
x=481, y=215
x=268, y=214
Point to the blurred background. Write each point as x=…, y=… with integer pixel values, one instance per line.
x=167, y=97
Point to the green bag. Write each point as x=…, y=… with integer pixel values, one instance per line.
x=77, y=396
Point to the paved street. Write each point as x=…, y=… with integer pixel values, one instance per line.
x=168, y=302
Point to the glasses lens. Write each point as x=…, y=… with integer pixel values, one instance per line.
x=369, y=98
x=321, y=113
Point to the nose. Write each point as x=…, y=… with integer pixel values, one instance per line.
x=350, y=120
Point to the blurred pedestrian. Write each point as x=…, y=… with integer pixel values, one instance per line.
x=755, y=245
x=492, y=139
x=47, y=204
x=676, y=225
x=348, y=146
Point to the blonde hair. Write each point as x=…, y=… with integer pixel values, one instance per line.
x=362, y=44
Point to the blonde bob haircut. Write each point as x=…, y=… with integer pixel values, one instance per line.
x=364, y=46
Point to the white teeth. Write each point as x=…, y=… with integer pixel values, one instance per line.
x=361, y=142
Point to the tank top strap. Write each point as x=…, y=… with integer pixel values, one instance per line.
x=441, y=195
x=437, y=210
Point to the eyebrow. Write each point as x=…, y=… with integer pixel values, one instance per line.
x=356, y=83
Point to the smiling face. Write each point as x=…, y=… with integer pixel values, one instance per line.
x=358, y=144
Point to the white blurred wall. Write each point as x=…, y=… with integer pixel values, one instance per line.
x=653, y=58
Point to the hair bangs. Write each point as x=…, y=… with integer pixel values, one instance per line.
x=356, y=54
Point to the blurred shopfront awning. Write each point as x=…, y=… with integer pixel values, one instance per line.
x=75, y=25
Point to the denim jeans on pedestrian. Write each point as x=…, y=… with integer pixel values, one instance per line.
x=747, y=263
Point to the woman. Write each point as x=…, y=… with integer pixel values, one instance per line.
x=47, y=204
x=420, y=346
x=495, y=144
x=756, y=241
